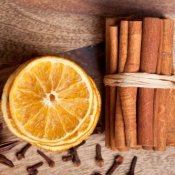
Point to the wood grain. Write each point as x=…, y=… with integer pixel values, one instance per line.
x=101, y=7
x=24, y=34
x=30, y=28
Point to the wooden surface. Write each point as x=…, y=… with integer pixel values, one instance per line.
x=32, y=28
x=101, y=7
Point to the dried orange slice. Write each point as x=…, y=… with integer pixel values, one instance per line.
x=50, y=98
x=28, y=90
x=85, y=130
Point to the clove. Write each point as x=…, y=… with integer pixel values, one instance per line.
x=73, y=155
x=50, y=162
x=67, y=157
x=6, y=146
x=75, y=159
x=99, y=159
x=118, y=160
x=4, y=160
x=32, y=168
x=133, y=165
x=21, y=153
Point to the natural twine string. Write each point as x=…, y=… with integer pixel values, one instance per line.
x=144, y=80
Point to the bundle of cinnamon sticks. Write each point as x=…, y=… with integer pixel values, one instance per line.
x=139, y=117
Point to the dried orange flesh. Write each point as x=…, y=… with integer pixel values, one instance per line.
x=84, y=128
x=79, y=135
x=50, y=98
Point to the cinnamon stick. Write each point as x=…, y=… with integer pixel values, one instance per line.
x=109, y=22
x=162, y=95
x=156, y=96
x=128, y=95
x=119, y=122
x=123, y=45
x=113, y=56
x=149, y=56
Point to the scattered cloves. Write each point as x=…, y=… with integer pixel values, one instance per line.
x=133, y=165
x=50, y=162
x=32, y=168
x=67, y=158
x=21, y=153
x=117, y=161
x=99, y=159
x=6, y=146
x=4, y=160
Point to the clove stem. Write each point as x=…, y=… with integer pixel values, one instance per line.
x=50, y=162
x=4, y=160
x=6, y=146
x=133, y=165
x=99, y=159
x=31, y=168
x=75, y=159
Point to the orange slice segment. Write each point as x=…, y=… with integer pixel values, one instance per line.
x=52, y=107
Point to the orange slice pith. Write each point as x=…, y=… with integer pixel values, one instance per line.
x=84, y=129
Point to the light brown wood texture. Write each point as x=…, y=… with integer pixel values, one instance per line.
x=28, y=30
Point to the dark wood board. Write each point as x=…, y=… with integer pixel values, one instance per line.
x=102, y=7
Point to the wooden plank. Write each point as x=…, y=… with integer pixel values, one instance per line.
x=101, y=7
x=24, y=34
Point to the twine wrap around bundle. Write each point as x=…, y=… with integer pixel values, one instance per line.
x=144, y=80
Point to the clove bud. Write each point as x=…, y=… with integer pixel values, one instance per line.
x=99, y=159
x=118, y=160
x=21, y=153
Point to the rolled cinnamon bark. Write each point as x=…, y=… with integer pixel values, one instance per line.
x=109, y=22
x=149, y=56
x=119, y=122
x=157, y=105
x=113, y=56
x=129, y=95
x=162, y=96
